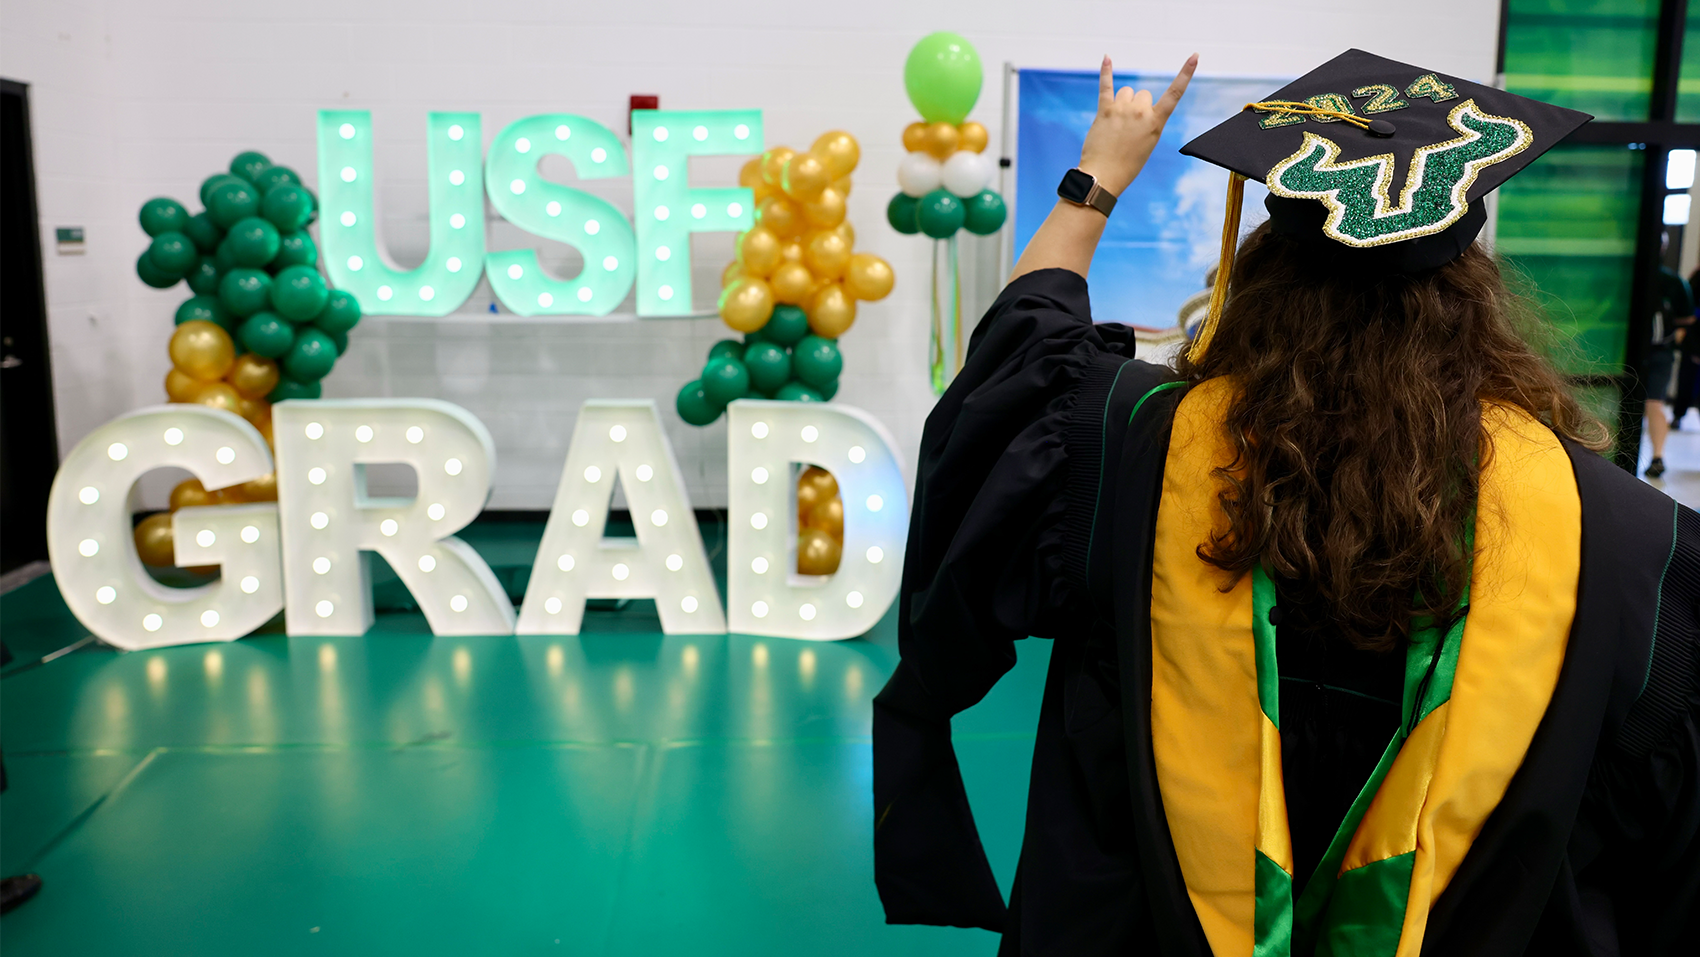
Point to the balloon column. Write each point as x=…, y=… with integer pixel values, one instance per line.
x=793, y=288
x=820, y=522
x=261, y=325
x=945, y=175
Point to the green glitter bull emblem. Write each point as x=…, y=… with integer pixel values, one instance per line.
x=1361, y=214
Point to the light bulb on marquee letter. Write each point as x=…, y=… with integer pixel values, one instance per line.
x=587, y=223
x=665, y=206
x=91, y=543
x=763, y=440
x=667, y=562
x=328, y=518
x=348, y=231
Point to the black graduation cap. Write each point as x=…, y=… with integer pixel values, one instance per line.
x=1383, y=158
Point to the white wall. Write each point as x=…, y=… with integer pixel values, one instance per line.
x=137, y=98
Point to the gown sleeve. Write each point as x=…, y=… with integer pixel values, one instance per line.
x=989, y=538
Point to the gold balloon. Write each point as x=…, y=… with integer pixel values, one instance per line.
x=817, y=552
x=758, y=252
x=773, y=165
x=253, y=376
x=814, y=486
x=231, y=496
x=781, y=217
x=750, y=175
x=972, y=136
x=842, y=184
x=248, y=408
x=828, y=516
x=746, y=304
x=915, y=137
x=826, y=255
x=190, y=493
x=262, y=489
x=848, y=232
x=941, y=140
x=805, y=176
x=153, y=540
x=732, y=273
x=831, y=311
x=839, y=150
x=868, y=277
x=202, y=349
x=263, y=422
x=219, y=395
x=825, y=210
x=791, y=252
x=180, y=387
x=791, y=283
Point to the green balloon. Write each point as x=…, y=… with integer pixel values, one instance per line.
x=694, y=406
x=760, y=335
x=724, y=380
x=275, y=176
x=943, y=77
x=817, y=361
x=797, y=392
x=214, y=180
x=340, y=314
x=153, y=275
x=201, y=230
x=941, y=214
x=295, y=249
x=163, y=215
x=787, y=326
x=249, y=165
x=769, y=365
x=231, y=202
x=223, y=257
x=984, y=213
x=245, y=291
x=726, y=349
x=314, y=197
x=287, y=206
x=299, y=293
x=311, y=357
x=173, y=253
x=203, y=277
x=205, y=309
x=828, y=391
x=253, y=242
x=902, y=213
x=288, y=388
x=266, y=334
x=341, y=340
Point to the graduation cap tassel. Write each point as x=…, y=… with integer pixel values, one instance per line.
x=1224, y=269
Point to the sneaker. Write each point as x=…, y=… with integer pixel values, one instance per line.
x=1655, y=468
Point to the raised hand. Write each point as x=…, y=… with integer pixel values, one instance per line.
x=1127, y=127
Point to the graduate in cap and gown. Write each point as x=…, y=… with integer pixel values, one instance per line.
x=1359, y=645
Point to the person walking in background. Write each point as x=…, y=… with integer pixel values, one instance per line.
x=1687, y=364
x=1672, y=314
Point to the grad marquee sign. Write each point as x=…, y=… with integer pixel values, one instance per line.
x=302, y=554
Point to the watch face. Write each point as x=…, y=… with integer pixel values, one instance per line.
x=1075, y=185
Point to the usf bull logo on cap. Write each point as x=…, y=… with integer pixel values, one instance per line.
x=1376, y=162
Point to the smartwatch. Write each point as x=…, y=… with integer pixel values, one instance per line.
x=1082, y=189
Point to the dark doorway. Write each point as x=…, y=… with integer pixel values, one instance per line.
x=29, y=448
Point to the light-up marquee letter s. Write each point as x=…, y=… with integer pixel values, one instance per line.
x=348, y=222
x=765, y=596
x=92, y=547
x=665, y=206
x=328, y=519
x=666, y=562
x=589, y=224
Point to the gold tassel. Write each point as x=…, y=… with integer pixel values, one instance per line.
x=1224, y=269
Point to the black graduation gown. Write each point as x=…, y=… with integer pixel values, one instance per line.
x=1033, y=516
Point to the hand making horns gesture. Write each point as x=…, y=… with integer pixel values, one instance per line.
x=1127, y=127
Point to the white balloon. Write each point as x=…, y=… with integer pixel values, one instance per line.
x=965, y=173
x=918, y=174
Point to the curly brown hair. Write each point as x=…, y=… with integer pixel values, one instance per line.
x=1357, y=428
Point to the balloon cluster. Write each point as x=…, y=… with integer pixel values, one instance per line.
x=944, y=177
x=820, y=522
x=793, y=288
x=261, y=327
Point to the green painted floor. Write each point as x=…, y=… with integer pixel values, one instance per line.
x=620, y=792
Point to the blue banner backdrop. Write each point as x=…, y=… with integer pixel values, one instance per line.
x=1167, y=230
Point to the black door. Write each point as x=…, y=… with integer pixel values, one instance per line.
x=29, y=449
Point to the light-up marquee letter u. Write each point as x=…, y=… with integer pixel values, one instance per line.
x=588, y=223
x=328, y=519
x=348, y=223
